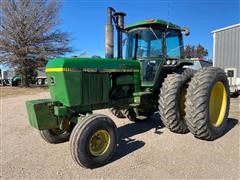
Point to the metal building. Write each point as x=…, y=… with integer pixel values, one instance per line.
x=226, y=52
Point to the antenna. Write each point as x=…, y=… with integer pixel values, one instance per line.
x=168, y=6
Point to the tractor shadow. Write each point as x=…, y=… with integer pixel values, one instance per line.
x=127, y=144
x=231, y=123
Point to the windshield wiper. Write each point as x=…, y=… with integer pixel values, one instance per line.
x=174, y=49
x=156, y=36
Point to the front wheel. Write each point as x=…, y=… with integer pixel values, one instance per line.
x=57, y=135
x=94, y=141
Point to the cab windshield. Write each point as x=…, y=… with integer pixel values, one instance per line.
x=144, y=43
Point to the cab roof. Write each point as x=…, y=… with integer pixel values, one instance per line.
x=152, y=22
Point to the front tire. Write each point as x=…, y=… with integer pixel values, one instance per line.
x=57, y=135
x=52, y=137
x=94, y=141
x=207, y=104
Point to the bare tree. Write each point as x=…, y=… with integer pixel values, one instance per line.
x=29, y=34
x=195, y=51
x=201, y=51
x=189, y=51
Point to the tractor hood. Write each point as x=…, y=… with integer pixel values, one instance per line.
x=92, y=65
x=85, y=81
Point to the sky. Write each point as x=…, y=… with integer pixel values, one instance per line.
x=85, y=20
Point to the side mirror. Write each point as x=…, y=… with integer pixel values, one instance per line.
x=185, y=31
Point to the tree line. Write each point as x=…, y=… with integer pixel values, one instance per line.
x=191, y=51
x=29, y=34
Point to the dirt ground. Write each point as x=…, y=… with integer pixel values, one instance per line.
x=146, y=150
x=8, y=91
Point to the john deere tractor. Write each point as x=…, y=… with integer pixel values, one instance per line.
x=152, y=77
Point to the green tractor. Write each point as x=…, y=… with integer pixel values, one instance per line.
x=152, y=77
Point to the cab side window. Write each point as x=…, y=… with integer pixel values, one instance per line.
x=173, y=45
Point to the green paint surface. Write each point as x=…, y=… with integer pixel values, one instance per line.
x=98, y=64
x=40, y=114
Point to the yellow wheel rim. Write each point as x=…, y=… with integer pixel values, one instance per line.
x=217, y=104
x=99, y=143
x=182, y=101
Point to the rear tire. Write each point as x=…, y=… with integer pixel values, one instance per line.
x=125, y=113
x=117, y=112
x=130, y=114
x=207, y=104
x=94, y=141
x=172, y=99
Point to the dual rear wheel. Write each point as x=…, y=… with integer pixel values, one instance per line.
x=196, y=102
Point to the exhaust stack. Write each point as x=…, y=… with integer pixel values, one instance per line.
x=109, y=47
x=118, y=19
x=120, y=27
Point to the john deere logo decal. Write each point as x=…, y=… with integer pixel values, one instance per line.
x=52, y=80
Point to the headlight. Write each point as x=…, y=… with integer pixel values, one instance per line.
x=168, y=62
x=174, y=62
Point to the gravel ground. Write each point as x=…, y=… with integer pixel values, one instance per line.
x=9, y=91
x=146, y=151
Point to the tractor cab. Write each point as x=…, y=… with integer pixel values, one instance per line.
x=154, y=43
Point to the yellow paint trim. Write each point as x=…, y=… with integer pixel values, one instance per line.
x=54, y=70
x=136, y=70
x=89, y=70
